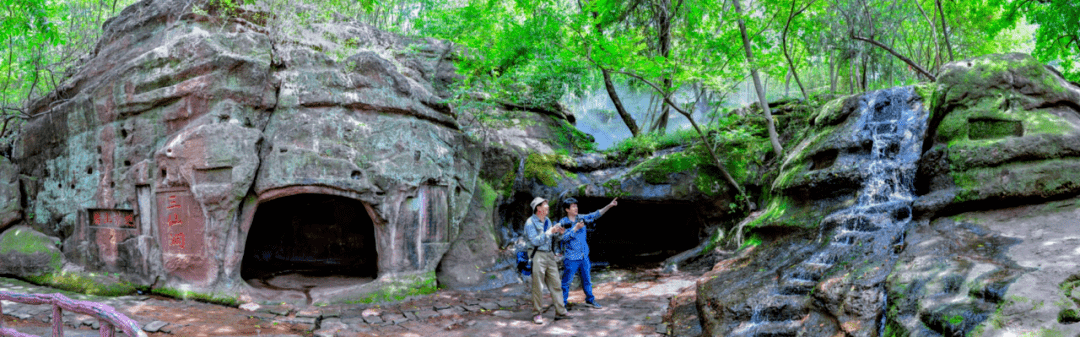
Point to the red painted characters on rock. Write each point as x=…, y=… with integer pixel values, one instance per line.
x=176, y=237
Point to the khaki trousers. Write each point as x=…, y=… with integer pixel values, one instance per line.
x=545, y=270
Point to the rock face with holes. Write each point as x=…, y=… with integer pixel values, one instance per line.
x=153, y=158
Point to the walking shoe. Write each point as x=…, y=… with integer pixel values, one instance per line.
x=594, y=305
x=538, y=319
x=561, y=317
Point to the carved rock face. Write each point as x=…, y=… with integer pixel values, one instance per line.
x=188, y=123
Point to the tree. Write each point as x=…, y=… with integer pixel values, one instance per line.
x=784, y=44
x=1057, y=38
x=773, y=137
x=42, y=42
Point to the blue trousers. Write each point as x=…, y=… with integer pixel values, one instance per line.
x=573, y=267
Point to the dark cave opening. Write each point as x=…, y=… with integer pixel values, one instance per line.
x=303, y=237
x=638, y=234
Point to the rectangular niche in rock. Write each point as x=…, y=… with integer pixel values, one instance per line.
x=108, y=230
x=992, y=128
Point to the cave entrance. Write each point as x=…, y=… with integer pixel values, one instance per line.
x=639, y=234
x=307, y=241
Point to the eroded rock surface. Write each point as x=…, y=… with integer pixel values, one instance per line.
x=164, y=144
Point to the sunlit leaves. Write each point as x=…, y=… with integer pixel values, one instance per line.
x=1058, y=36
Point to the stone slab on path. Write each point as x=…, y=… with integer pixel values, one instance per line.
x=630, y=309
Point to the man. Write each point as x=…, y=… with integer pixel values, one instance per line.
x=545, y=269
x=576, y=258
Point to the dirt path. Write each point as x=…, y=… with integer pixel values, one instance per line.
x=634, y=305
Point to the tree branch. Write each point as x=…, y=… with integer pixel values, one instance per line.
x=708, y=145
x=901, y=57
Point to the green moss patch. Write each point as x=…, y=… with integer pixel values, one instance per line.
x=543, y=168
x=987, y=120
x=487, y=194
x=1039, y=179
x=569, y=137
x=410, y=286
x=26, y=241
x=832, y=112
x=656, y=170
x=90, y=284
x=644, y=145
x=192, y=295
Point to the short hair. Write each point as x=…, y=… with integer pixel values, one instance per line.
x=568, y=201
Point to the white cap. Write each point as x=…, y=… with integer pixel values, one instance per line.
x=536, y=202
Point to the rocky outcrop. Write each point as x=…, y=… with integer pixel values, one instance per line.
x=25, y=252
x=992, y=272
x=1005, y=128
x=153, y=158
x=10, y=194
x=1001, y=132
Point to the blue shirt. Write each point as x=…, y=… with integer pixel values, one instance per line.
x=534, y=233
x=574, y=241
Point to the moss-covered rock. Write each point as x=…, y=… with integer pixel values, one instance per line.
x=1003, y=127
x=25, y=252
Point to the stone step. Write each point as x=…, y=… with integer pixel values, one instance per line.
x=796, y=287
x=827, y=256
x=859, y=224
x=846, y=238
x=772, y=307
x=809, y=271
x=767, y=329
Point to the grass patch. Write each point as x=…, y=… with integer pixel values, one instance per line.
x=487, y=194
x=420, y=285
x=191, y=295
x=92, y=284
x=542, y=167
x=754, y=240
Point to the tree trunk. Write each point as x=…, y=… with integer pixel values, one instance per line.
x=832, y=73
x=626, y=117
x=773, y=137
x=944, y=29
x=937, y=45
x=663, y=22
x=862, y=73
x=783, y=43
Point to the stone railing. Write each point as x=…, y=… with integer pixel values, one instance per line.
x=106, y=314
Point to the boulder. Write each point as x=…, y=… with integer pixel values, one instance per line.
x=25, y=252
x=1004, y=127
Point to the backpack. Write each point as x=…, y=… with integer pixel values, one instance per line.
x=524, y=263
